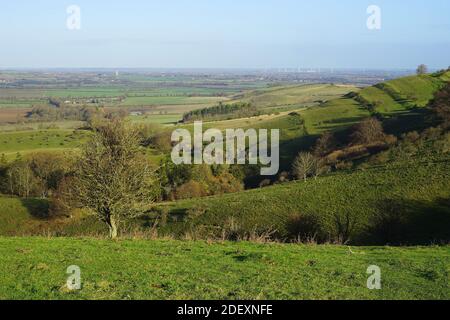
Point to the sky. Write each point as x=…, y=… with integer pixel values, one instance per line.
x=224, y=34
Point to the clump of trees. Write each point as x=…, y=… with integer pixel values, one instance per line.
x=362, y=140
x=235, y=110
x=193, y=181
x=37, y=175
x=61, y=112
x=155, y=136
x=307, y=165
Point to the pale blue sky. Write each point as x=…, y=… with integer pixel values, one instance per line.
x=225, y=34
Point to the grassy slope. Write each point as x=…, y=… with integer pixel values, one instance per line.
x=21, y=215
x=418, y=90
x=333, y=115
x=417, y=186
x=28, y=141
x=34, y=268
x=340, y=113
x=303, y=95
x=413, y=188
x=404, y=93
x=357, y=192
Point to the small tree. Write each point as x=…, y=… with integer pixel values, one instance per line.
x=320, y=167
x=422, y=69
x=441, y=105
x=304, y=165
x=113, y=177
x=325, y=144
x=21, y=180
x=368, y=131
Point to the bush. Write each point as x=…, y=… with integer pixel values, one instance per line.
x=191, y=189
x=305, y=228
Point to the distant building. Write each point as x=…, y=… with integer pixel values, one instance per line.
x=135, y=113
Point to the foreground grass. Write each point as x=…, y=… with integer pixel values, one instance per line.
x=35, y=268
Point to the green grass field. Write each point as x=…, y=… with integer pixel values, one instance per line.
x=181, y=100
x=333, y=115
x=35, y=268
x=40, y=140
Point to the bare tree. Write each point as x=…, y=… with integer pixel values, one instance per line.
x=422, y=69
x=441, y=105
x=368, y=131
x=304, y=165
x=113, y=178
x=325, y=144
x=320, y=167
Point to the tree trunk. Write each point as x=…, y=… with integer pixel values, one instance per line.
x=112, y=228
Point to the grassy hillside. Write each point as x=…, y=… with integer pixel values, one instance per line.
x=417, y=183
x=333, y=115
x=22, y=215
x=29, y=141
x=303, y=95
x=34, y=268
x=402, y=94
x=413, y=195
x=405, y=200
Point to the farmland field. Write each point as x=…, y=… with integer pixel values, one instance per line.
x=166, y=119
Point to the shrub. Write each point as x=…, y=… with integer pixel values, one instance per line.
x=191, y=189
x=305, y=228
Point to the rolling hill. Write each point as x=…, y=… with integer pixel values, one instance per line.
x=296, y=96
x=414, y=183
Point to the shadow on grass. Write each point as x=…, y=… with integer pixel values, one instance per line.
x=410, y=222
x=38, y=208
x=406, y=121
